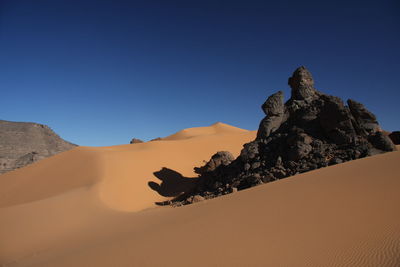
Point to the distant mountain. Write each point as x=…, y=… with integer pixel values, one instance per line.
x=22, y=143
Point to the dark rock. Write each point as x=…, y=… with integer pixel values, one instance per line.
x=365, y=121
x=395, y=137
x=220, y=158
x=256, y=165
x=136, y=141
x=274, y=109
x=279, y=174
x=249, y=151
x=299, y=146
x=278, y=161
x=274, y=105
x=247, y=166
x=336, y=121
x=311, y=130
x=302, y=84
x=299, y=151
x=335, y=161
x=382, y=142
x=156, y=139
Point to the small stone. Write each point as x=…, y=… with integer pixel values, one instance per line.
x=197, y=198
x=255, y=165
x=279, y=174
x=278, y=161
x=335, y=161
x=246, y=167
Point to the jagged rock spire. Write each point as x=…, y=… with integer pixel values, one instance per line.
x=302, y=84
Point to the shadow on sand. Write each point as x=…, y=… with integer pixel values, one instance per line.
x=173, y=184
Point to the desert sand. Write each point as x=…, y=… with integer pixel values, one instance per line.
x=92, y=206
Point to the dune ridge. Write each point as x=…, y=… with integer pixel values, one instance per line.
x=120, y=172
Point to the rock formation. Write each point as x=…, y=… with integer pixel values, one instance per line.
x=136, y=141
x=22, y=143
x=311, y=130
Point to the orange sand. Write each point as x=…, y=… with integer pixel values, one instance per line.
x=93, y=207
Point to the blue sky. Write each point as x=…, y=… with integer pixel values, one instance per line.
x=102, y=72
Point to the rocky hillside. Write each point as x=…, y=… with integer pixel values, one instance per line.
x=22, y=143
x=310, y=131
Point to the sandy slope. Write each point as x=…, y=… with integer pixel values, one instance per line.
x=345, y=215
x=119, y=174
x=61, y=194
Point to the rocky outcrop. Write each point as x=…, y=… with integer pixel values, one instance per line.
x=310, y=131
x=136, y=141
x=22, y=143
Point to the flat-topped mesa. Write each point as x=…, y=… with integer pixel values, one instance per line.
x=302, y=84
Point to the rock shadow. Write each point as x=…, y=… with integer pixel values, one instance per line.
x=173, y=184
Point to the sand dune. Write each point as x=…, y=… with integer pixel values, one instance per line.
x=344, y=215
x=61, y=195
x=119, y=174
x=216, y=128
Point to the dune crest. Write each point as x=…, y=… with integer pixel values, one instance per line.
x=216, y=128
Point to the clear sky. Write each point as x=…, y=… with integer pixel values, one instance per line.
x=102, y=72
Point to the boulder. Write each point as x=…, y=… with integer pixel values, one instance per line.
x=336, y=120
x=365, y=121
x=136, y=141
x=302, y=84
x=220, y=158
x=382, y=142
x=274, y=109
